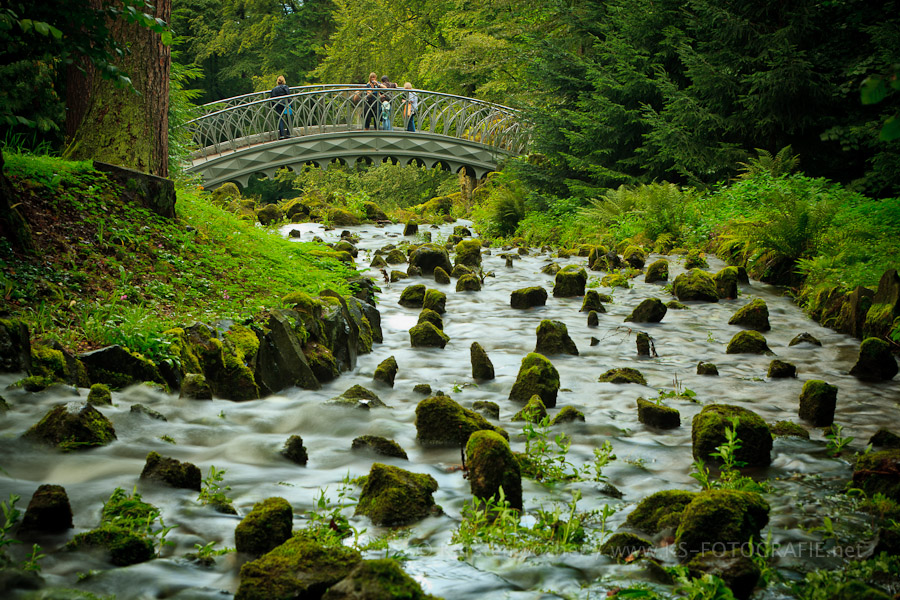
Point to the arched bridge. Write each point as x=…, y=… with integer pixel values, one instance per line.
x=238, y=137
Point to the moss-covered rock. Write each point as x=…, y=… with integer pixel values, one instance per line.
x=593, y=319
x=789, y=429
x=265, y=527
x=754, y=315
x=534, y=411
x=377, y=580
x=567, y=414
x=410, y=228
x=634, y=256
x=695, y=259
x=623, y=375
x=707, y=368
x=49, y=510
x=804, y=338
x=492, y=465
x=885, y=439
x=429, y=316
x=295, y=451
x=378, y=262
x=440, y=421
x=435, y=300
x=396, y=276
x=779, y=369
x=119, y=368
x=460, y=270
x=657, y=271
x=592, y=302
x=378, y=445
x=878, y=473
x=341, y=217
x=422, y=388
x=735, y=567
x=386, y=371
x=171, y=472
x=650, y=310
x=346, y=246
x=551, y=269
x=468, y=253
x=727, y=283
x=15, y=346
x=123, y=547
x=875, y=361
x=468, y=283
x=676, y=305
x=100, y=395
x=695, y=285
x=426, y=335
x=195, y=387
x=395, y=257
x=487, y=408
x=748, y=342
x=817, y=402
x=393, y=496
x=720, y=517
x=223, y=359
x=322, y=362
x=430, y=256
x=553, y=338
x=570, y=281
x=528, y=297
x=656, y=415
x=885, y=309
x=537, y=375
x=623, y=546
x=441, y=276
x=660, y=511
x=357, y=397
x=482, y=367
x=73, y=426
x=299, y=568
x=269, y=214
x=374, y=212
x=140, y=409
x=708, y=432
x=413, y=296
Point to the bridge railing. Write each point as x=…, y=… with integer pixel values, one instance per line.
x=245, y=121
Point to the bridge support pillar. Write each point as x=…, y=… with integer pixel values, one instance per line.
x=467, y=185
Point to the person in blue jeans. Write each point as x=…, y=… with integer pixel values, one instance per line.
x=281, y=89
x=410, y=106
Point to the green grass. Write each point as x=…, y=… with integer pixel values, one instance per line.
x=109, y=271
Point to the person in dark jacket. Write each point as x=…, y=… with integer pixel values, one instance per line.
x=281, y=89
x=373, y=102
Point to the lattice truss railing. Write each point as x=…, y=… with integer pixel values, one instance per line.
x=243, y=121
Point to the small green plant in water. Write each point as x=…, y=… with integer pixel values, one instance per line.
x=32, y=563
x=11, y=516
x=547, y=458
x=212, y=491
x=730, y=477
x=837, y=443
x=328, y=523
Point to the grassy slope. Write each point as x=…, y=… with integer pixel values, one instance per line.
x=112, y=272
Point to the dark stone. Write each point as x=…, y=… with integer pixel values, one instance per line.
x=720, y=517
x=492, y=465
x=140, y=409
x=441, y=276
x=118, y=368
x=430, y=256
x=657, y=271
x=393, y=496
x=748, y=342
x=100, y=394
x=655, y=415
x=885, y=306
x=378, y=445
x=468, y=283
x=441, y=421
x=726, y=283
x=537, y=375
x=593, y=302
x=660, y=511
x=422, y=388
x=695, y=285
x=754, y=315
x=570, y=281
x=817, y=402
x=171, y=472
x=885, y=439
x=49, y=510
x=265, y=527
x=734, y=567
x=651, y=310
x=482, y=368
x=593, y=320
x=151, y=192
x=804, y=338
x=411, y=228
x=708, y=432
x=280, y=361
x=553, y=338
x=73, y=426
x=528, y=297
x=375, y=580
x=195, y=387
x=15, y=347
x=357, y=397
x=429, y=316
x=435, y=300
x=295, y=451
x=705, y=368
x=386, y=371
x=878, y=473
x=875, y=362
x=426, y=335
x=624, y=546
x=789, y=429
x=487, y=408
x=623, y=375
x=644, y=343
x=778, y=369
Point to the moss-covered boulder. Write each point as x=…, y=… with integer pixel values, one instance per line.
x=346, y=246
x=657, y=271
x=301, y=567
x=537, y=375
x=817, y=402
x=295, y=451
x=650, y=310
x=468, y=283
x=492, y=465
x=426, y=335
x=468, y=253
x=441, y=276
x=779, y=369
x=660, y=511
x=553, y=338
x=695, y=259
x=695, y=285
x=592, y=302
x=708, y=432
x=381, y=446
x=440, y=421
x=720, y=517
x=265, y=527
x=460, y=270
x=804, y=338
x=341, y=217
x=528, y=297
x=393, y=496
x=635, y=257
x=676, y=305
x=567, y=414
x=593, y=319
x=707, y=368
x=123, y=547
x=624, y=546
x=657, y=415
x=195, y=387
x=376, y=580
x=118, y=368
x=885, y=439
x=322, y=362
x=623, y=375
x=48, y=510
x=570, y=281
x=430, y=256
x=878, y=473
x=551, y=269
x=413, y=296
x=269, y=214
x=378, y=262
x=482, y=367
x=100, y=395
x=396, y=276
x=224, y=357
x=789, y=429
x=422, y=388
x=374, y=212
x=735, y=567
x=534, y=411
x=754, y=315
x=487, y=408
x=357, y=397
x=429, y=316
x=386, y=371
x=881, y=316
x=875, y=361
x=748, y=342
x=73, y=426
x=171, y=472
x=395, y=257
x=727, y=283
x=15, y=346
x=435, y=300
x=410, y=228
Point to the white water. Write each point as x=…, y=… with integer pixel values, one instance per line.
x=245, y=438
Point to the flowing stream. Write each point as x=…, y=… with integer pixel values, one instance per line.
x=245, y=438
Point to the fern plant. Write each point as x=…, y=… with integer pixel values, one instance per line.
x=783, y=163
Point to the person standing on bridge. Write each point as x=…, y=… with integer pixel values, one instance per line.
x=410, y=106
x=281, y=89
x=372, y=109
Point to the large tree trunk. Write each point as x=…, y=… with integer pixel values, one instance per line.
x=122, y=127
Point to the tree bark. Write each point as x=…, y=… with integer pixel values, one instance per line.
x=13, y=226
x=120, y=126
